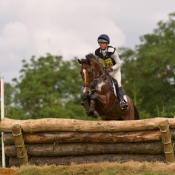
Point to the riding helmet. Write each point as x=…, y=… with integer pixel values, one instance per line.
x=103, y=39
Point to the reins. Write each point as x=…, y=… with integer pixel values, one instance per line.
x=94, y=79
x=92, y=75
x=93, y=84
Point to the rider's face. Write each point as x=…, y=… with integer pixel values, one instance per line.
x=103, y=45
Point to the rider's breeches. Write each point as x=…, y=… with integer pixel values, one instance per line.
x=116, y=74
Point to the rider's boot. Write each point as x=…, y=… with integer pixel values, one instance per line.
x=123, y=103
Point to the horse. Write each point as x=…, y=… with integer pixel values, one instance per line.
x=98, y=93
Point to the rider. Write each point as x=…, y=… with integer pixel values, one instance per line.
x=108, y=57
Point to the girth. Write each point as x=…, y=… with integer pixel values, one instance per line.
x=110, y=109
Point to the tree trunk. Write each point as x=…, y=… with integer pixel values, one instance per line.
x=70, y=149
x=52, y=124
x=13, y=161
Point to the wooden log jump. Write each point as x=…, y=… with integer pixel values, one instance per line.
x=73, y=149
x=80, y=137
x=19, y=145
x=73, y=125
x=54, y=141
x=67, y=160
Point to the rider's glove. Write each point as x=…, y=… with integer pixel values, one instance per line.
x=109, y=69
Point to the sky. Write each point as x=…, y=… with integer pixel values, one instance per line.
x=71, y=27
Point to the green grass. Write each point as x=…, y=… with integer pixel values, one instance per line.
x=106, y=168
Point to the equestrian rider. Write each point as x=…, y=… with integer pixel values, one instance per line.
x=108, y=57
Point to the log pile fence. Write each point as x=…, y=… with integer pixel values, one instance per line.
x=66, y=141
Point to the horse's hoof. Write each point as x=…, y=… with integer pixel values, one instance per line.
x=89, y=113
x=95, y=114
x=82, y=104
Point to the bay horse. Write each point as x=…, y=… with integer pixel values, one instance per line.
x=98, y=93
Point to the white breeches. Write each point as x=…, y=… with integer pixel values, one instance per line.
x=116, y=74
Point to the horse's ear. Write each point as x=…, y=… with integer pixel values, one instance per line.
x=80, y=61
x=88, y=61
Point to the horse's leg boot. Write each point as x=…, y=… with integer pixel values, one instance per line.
x=92, y=107
x=92, y=103
x=123, y=103
x=85, y=102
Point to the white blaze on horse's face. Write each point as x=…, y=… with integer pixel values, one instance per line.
x=85, y=89
x=84, y=72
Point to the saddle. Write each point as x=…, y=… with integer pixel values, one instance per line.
x=116, y=87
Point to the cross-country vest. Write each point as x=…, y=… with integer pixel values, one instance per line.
x=106, y=60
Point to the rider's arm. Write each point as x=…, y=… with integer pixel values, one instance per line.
x=117, y=61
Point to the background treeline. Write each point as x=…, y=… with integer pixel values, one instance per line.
x=51, y=87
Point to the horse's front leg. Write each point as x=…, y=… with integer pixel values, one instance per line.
x=85, y=102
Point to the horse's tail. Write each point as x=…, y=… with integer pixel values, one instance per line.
x=136, y=113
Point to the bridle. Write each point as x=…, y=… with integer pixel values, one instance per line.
x=92, y=75
x=94, y=80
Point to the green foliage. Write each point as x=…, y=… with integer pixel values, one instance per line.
x=10, y=109
x=49, y=87
x=152, y=67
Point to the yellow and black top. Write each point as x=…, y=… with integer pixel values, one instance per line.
x=106, y=60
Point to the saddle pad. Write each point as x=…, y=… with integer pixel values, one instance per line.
x=114, y=89
x=116, y=93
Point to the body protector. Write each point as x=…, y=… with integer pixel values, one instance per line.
x=106, y=60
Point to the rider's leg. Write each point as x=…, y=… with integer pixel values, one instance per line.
x=117, y=75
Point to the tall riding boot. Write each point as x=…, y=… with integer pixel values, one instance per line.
x=123, y=103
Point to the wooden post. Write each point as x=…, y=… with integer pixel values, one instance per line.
x=166, y=140
x=19, y=143
x=2, y=116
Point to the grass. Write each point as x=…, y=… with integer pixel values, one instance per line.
x=105, y=168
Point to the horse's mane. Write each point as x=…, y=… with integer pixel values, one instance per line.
x=92, y=57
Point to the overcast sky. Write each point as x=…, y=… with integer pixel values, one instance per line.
x=70, y=27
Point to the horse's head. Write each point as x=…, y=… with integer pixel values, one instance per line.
x=90, y=70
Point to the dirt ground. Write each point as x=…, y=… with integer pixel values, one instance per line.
x=8, y=171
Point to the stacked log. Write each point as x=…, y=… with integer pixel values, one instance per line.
x=63, y=141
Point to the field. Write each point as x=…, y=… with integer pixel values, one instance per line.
x=128, y=168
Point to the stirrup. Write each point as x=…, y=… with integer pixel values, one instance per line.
x=121, y=105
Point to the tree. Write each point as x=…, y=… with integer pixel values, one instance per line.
x=49, y=87
x=152, y=67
